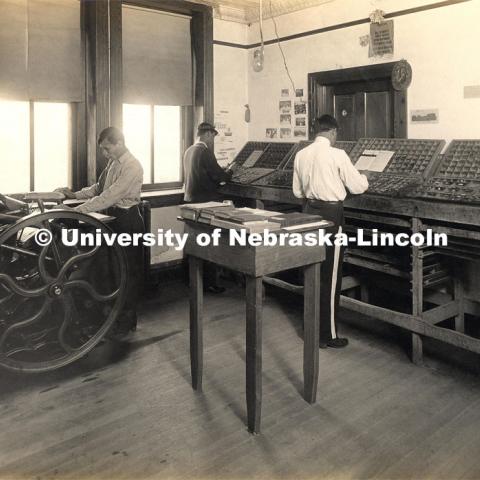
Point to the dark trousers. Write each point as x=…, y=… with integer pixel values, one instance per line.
x=130, y=221
x=331, y=270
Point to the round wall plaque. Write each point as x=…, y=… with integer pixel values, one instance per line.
x=401, y=75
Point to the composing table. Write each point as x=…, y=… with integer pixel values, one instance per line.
x=255, y=262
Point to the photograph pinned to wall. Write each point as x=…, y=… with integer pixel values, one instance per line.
x=300, y=132
x=285, y=119
x=299, y=92
x=271, y=132
x=424, y=116
x=225, y=149
x=300, y=121
x=300, y=107
x=285, y=132
x=285, y=106
x=285, y=92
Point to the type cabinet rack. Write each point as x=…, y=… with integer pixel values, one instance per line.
x=457, y=178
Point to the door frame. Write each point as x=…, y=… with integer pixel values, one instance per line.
x=321, y=84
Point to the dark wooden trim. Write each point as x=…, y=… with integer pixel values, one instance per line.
x=320, y=82
x=231, y=44
x=102, y=31
x=165, y=200
x=400, y=109
x=79, y=114
x=202, y=52
x=340, y=26
x=149, y=187
x=102, y=75
x=172, y=6
x=90, y=15
x=364, y=73
x=116, y=64
x=152, y=145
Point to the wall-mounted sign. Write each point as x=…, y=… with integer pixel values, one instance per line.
x=381, y=39
x=424, y=116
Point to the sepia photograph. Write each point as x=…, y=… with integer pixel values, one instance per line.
x=271, y=132
x=300, y=107
x=239, y=240
x=285, y=106
x=300, y=121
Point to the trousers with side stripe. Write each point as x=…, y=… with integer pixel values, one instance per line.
x=331, y=270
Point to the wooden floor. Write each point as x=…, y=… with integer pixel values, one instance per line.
x=128, y=410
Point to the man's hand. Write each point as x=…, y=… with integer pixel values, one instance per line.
x=66, y=191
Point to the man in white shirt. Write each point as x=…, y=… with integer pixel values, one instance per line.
x=117, y=193
x=322, y=175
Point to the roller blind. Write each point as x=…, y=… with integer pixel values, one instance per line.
x=157, y=63
x=40, y=50
x=54, y=52
x=13, y=50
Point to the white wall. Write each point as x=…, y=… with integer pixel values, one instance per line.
x=230, y=89
x=440, y=44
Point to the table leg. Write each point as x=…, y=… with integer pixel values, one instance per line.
x=196, y=321
x=311, y=327
x=254, y=352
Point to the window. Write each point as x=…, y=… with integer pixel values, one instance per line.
x=155, y=135
x=35, y=146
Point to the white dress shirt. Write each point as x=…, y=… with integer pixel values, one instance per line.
x=322, y=172
x=122, y=187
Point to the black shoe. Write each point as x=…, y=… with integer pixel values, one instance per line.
x=120, y=332
x=121, y=329
x=215, y=289
x=334, y=343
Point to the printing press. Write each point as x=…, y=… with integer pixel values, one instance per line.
x=57, y=300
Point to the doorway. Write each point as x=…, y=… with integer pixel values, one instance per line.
x=362, y=100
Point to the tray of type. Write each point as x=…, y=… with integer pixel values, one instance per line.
x=262, y=155
x=392, y=185
x=246, y=176
x=283, y=178
x=457, y=178
x=411, y=157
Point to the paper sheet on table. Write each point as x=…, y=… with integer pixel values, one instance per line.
x=252, y=158
x=374, y=160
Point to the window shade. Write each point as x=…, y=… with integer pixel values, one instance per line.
x=13, y=50
x=40, y=50
x=157, y=64
x=54, y=53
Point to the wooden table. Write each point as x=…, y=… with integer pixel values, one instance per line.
x=255, y=262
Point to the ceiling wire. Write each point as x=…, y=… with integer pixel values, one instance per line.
x=280, y=47
x=261, y=21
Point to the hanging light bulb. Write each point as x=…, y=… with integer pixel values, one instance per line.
x=258, y=60
x=258, y=53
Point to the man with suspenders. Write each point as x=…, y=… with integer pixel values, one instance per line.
x=322, y=175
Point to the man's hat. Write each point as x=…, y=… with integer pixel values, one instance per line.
x=206, y=127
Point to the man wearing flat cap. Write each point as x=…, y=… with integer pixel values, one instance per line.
x=203, y=175
x=202, y=172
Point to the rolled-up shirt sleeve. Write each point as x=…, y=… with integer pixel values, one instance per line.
x=355, y=182
x=130, y=176
x=87, y=192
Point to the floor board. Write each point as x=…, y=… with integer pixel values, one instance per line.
x=128, y=410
